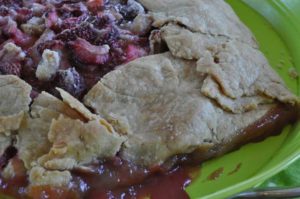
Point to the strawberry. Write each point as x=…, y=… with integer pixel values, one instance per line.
x=87, y=53
x=11, y=68
x=10, y=29
x=95, y=5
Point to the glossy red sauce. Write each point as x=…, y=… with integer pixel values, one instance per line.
x=110, y=180
x=159, y=186
x=216, y=174
x=236, y=169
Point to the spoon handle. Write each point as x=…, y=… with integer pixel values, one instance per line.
x=288, y=192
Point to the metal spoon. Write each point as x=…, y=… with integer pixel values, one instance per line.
x=281, y=192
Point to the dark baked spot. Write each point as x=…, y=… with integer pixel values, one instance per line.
x=8, y=154
x=216, y=59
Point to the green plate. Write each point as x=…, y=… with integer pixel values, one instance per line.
x=276, y=25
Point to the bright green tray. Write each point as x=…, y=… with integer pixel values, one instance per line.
x=276, y=25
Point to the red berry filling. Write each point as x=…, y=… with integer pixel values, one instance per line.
x=91, y=38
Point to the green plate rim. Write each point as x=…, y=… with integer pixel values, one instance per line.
x=285, y=23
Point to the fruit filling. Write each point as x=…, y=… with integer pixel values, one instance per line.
x=70, y=44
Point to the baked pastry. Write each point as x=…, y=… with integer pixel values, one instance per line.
x=145, y=82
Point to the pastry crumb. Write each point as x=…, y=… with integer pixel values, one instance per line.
x=48, y=66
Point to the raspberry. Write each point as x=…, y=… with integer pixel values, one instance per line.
x=83, y=31
x=10, y=68
x=67, y=35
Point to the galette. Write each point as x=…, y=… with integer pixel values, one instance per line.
x=98, y=95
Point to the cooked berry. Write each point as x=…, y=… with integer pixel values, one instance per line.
x=108, y=35
x=101, y=21
x=95, y=5
x=28, y=67
x=23, y=15
x=72, y=10
x=7, y=68
x=87, y=53
x=67, y=35
x=11, y=3
x=10, y=29
x=85, y=31
x=52, y=20
x=133, y=52
x=56, y=45
x=91, y=36
x=4, y=11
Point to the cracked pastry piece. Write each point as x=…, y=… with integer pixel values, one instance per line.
x=15, y=94
x=85, y=106
x=214, y=18
x=228, y=64
x=160, y=99
x=58, y=138
x=71, y=144
x=32, y=139
x=75, y=143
